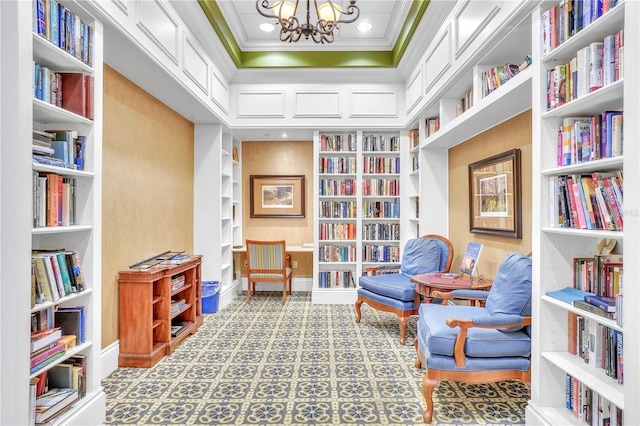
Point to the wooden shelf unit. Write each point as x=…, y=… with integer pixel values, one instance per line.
x=145, y=311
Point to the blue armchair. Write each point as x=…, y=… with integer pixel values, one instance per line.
x=478, y=344
x=391, y=290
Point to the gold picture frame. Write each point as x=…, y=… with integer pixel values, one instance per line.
x=495, y=206
x=277, y=196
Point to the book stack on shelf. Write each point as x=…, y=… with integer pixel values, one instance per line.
x=432, y=125
x=464, y=103
x=53, y=403
x=414, y=138
x=495, y=77
x=590, y=407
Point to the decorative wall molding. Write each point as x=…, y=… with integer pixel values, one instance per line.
x=162, y=29
x=438, y=61
x=261, y=104
x=470, y=20
x=316, y=103
x=219, y=92
x=414, y=90
x=122, y=5
x=194, y=64
x=373, y=103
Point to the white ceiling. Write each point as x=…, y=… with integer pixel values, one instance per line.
x=386, y=16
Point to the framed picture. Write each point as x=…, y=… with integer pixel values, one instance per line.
x=277, y=196
x=494, y=196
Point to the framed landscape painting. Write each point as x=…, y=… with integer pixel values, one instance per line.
x=494, y=195
x=277, y=196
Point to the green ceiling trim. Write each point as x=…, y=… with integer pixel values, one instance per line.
x=314, y=59
x=221, y=28
x=408, y=28
x=323, y=59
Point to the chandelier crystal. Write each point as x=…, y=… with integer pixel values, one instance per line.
x=327, y=16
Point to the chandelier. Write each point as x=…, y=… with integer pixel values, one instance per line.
x=327, y=16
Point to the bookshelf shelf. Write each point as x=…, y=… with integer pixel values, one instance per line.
x=44, y=112
x=562, y=305
x=61, y=229
x=63, y=300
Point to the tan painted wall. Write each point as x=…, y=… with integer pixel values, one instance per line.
x=279, y=158
x=514, y=133
x=147, y=187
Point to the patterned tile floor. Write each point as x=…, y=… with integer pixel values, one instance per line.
x=299, y=364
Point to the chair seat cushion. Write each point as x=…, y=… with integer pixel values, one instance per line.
x=269, y=275
x=481, y=342
x=447, y=363
x=395, y=286
x=399, y=305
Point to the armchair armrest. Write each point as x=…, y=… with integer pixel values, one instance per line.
x=501, y=321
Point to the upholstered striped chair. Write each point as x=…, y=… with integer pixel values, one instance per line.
x=267, y=261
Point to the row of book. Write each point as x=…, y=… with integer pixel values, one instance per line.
x=415, y=163
x=177, y=282
x=333, y=187
x=568, y=17
x=464, y=103
x=72, y=91
x=60, y=148
x=495, y=77
x=177, y=305
x=65, y=29
x=381, y=209
x=380, y=253
x=381, y=187
x=381, y=231
x=590, y=407
x=54, y=200
x=594, y=66
x=380, y=143
x=588, y=138
x=337, y=231
x=598, y=345
x=52, y=343
x=55, y=274
x=336, y=279
x=337, y=143
x=589, y=201
x=414, y=138
x=338, y=165
x=600, y=274
x=338, y=209
x=372, y=165
x=432, y=125
x=331, y=253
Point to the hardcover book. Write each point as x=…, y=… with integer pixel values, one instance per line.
x=607, y=304
x=470, y=258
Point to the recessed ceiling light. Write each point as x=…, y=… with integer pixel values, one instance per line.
x=267, y=28
x=363, y=27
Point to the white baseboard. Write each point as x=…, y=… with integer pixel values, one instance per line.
x=109, y=359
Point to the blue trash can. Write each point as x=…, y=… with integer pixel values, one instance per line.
x=210, y=296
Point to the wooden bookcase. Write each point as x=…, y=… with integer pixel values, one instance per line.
x=145, y=314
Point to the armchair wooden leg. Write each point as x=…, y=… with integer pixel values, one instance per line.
x=248, y=291
x=418, y=363
x=284, y=292
x=359, y=303
x=402, y=322
x=428, y=385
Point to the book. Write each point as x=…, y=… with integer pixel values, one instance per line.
x=75, y=92
x=61, y=376
x=568, y=294
x=53, y=401
x=588, y=307
x=43, y=356
x=470, y=259
x=40, y=339
x=607, y=304
x=72, y=322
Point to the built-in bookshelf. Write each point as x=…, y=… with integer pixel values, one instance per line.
x=236, y=212
x=61, y=197
x=573, y=150
x=227, y=206
x=357, y=209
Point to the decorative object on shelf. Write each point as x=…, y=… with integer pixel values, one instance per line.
x=277, y=196
x=494, y=195
x=328, y=16
x=236, y=157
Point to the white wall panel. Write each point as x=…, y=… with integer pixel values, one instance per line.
x=373, y=104
x=316, y=104
x=194, y=64
x=261, y=104
x=161, y=28
x=122, y=5
x=470, y=20
x=414, y=90
x=438, y=60
x=219, y=92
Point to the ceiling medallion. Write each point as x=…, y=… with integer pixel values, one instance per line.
x=327, y=16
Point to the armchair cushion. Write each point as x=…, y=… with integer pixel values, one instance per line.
x=421, y=255
x=394, y=286
x=481, y=342
x=511, y=290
